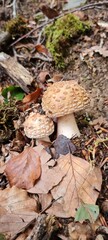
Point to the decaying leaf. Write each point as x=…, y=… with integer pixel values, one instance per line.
x=50, y=177
x=63, y=145
x=98, y=49
x=78, y=185
x=17, y=209
x=24, y=169
x=41, y=49
x=87, y=212
x=43, y=76
x=29, y=99
x=49, y=12
x=80, y=231
x=32, y=97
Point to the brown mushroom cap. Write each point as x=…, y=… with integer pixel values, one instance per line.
x=38, y=126
x=62, y=98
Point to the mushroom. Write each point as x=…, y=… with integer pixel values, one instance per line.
x=38, y=126
x=61, y=100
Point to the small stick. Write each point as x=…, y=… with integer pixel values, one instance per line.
x=89, y=141
x=103, y=162
x=104, y=130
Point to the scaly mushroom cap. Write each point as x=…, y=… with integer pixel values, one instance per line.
x=38, y=126
x=62, y=98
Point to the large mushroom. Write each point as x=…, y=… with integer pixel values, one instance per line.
x=38, y=126
x=62, y=100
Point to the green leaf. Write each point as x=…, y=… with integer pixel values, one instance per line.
x=15, y=92
x=87, y=211
x=2, y=237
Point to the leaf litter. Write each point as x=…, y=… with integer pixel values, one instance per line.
x=17, y=209
x=99, y=155
x=24, y=169
x=79, y=185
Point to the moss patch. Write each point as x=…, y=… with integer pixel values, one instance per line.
x=16, y=26
x=60, y=34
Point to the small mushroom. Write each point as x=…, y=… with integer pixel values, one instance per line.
x=38, y=126
x=62, y=100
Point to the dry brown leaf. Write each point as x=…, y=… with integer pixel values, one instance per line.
x=78, y=185
x=42, y=49
x=50, y=177
x=24, y=169
x=45, y=200
x=49, y=12
x=29, y=99
x=43, y=76
x=19, y=210
x=32, y=97
x=80, y=231
x=101, y=50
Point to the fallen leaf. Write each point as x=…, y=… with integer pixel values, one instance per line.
x=43, y=76
x=17, y=209
x=101, y=50
x=29, y=99
x=57, y=77
x=42, y=49
x=32, y=97
x=24, y=169
x=87, y=212
x=49, y=12
x=78, y=185
x=45, y=200
x=63, y=145
x=80, y=231
x=50, y=177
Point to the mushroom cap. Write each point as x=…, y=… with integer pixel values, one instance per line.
x=38, y=126
x=62, y=98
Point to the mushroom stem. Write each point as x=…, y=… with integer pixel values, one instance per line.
x=67, y=126
x=45, y=139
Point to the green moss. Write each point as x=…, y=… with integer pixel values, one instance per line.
x=16, y=26
x=60, y=34
x=8, y=113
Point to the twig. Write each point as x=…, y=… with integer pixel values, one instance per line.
x=14, y=6
x=83, y=8
x=103, y=162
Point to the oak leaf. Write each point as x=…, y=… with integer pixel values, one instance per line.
x=23, y=170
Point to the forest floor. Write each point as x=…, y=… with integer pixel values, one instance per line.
x=87, y=63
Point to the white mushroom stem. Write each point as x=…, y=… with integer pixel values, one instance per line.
x=44, y=139
x=67, y=126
